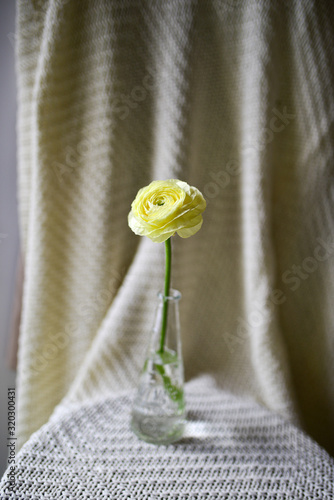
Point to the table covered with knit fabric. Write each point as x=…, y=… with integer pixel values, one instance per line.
x=232, y=449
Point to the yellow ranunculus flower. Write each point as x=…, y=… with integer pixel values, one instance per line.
x=164, y=208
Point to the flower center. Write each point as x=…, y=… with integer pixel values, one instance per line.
x=159, y=202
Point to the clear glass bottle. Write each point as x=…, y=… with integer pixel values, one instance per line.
x=158, y=412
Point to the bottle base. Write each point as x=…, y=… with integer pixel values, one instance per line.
x=158, y=429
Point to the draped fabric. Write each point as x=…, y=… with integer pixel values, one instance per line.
x=235, y=98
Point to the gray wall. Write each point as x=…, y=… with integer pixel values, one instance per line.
x=9, y=246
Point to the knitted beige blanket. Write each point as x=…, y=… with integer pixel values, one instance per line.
x=235, y=98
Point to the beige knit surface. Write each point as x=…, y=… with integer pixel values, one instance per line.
x=233, y=449
x=235, y=98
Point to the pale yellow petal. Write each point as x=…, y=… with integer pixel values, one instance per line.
x=165, y=207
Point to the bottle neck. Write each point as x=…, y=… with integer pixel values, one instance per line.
x=166, y=331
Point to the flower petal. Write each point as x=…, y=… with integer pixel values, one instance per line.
x=165, y=207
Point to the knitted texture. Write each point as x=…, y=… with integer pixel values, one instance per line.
x=232, y=449
x=235, y=98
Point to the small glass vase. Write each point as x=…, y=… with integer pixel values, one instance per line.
x=158, y=412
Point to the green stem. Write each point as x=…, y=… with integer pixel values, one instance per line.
x=168, y=248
